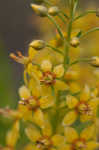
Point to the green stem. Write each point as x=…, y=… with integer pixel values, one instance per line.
x=61, y=17
x=89, y=31
x=84, y=14
x=56, y=25
x=65, y=15
x=80, y=60
x=66, y=57
x=55, y=49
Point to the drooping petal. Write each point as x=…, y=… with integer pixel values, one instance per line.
x=88, y=133
x=38, y=118
x=71, y=101
x=85, y=95
x=58, y=140
x=46, y=102
x=32, y=133
x=92, y=145
x=71, y=134
x=13, y=135
x=34, y=86
x=70, y=118
x=47, y=129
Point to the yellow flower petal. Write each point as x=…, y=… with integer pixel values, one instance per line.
x=92, y=145
x=88, y=133
x=58, y=140
x=70, y=118
x=46, y=90
x=85, y=117
x=24, y=92
x=13, y=135
x=34, y=86
x=30, y=147
x=71, y=101
x=52, y=148
x=46, y=102
x=46, y=65
x=60, y=85
x=38, y=118
x=32, y=133
x=85, y=95
x=93, y=103
x=65, y=147
x=47, y=129
x=59, y=71
x=32, y=52
x=71, y=75
x=74, y=87
x=71, y=134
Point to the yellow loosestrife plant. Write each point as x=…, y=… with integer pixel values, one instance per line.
x=57, y=112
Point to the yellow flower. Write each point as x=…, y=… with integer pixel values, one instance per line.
x=51, y=76
x=44, y=77
x=32, y=107
x=84, y=141
x=85, y=107
x=44, y=140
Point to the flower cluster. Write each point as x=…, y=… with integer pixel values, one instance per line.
x=57, y=111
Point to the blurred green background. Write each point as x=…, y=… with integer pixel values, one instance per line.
x=17, y=28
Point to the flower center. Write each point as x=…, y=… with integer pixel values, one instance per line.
x=48, y=78
x=32, y=102
x=84, y=108
x=44, y=143
x=79, y=145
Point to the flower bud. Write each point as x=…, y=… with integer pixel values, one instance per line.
x=95, y=61
x=97, y=12
x=75, y=42
x=53, y=11
x=37, y=44
x=40, y=10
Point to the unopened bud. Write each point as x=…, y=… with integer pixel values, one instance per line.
x=95, y=61
x=53, y=11
x=75, y=42
x=97, y=12
x=39, y=10
x=37, y=44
